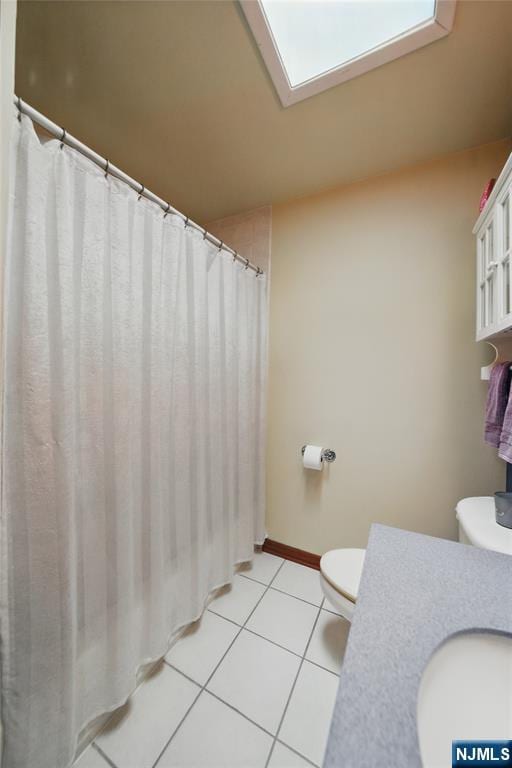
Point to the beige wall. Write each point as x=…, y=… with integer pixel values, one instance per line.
x=372, y=353
x=248, y=233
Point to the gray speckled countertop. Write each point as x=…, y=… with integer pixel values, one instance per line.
x=415, y=592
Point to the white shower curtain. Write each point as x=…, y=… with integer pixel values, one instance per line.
x=133, y=430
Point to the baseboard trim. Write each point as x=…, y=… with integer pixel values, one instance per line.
x=291, y=553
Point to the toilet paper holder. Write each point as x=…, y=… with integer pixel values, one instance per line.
x=327, y=454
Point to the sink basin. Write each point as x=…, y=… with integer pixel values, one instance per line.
x=466, y=694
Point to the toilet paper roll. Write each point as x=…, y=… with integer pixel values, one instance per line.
x=312, y=458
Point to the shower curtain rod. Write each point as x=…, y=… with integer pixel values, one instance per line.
x=112, y=170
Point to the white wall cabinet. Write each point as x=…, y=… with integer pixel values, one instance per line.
x=494, y=252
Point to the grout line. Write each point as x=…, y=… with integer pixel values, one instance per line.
x=178, y=726
x=283, y=592
x=242, y=714
x=273, y=642
x=202, y=688
x=319, y=666
x=103, y=754
x=245, y=622
x=239, y=712
x=231, y=621
x=292, y=749
x=246, y=574
x=308, y=602
x=240, y=628
x=284, y=648
x=252, y=632
x=278, y=645
x=292, y=689
x=222, y=701
x=251, y=578
x=183, y=674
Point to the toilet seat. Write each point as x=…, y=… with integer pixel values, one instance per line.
x=342, y=568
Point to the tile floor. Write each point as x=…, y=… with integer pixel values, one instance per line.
x=250, y=685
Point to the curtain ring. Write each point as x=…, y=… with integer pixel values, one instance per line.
x=63, y=138
x=257, y=271
x=107, y=164
x=167, y=210
x=142, y=188
x=19, y=109
x=204, y=234
x=246, y=264
x=221, y=245
x=235, y=254
x=186, y=222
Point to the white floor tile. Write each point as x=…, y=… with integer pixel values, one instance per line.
x=328, y=642
x=282, y=757
x=285, y=620
x=214, y=736
x=90, y=758
x=201, y=647
x=300, y=581
x=263, y=567
x=256, y=677
x=235, y=602
x=141, y=730
x=308, y=717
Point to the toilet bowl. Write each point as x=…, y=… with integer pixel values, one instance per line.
x=340, y=574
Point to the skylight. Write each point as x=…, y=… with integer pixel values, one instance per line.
x=317, y=36
x=310, y=45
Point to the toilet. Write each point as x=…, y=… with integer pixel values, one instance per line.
x=340, y=574
x=477, y=525
x=341, y=569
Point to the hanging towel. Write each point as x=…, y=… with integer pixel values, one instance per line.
x=505, y=447
x=497, y=404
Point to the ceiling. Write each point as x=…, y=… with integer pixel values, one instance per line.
x=176, y=94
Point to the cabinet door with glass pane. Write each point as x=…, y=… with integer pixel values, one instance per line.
x=488, y=275
x=494, y=255
x=504, y=210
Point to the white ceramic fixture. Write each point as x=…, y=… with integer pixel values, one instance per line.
x=341, y=569
x=464, y=694
x=465, y=688
x=340, y=574
x=477, y=525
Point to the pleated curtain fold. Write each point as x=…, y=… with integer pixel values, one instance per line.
x=132, y=446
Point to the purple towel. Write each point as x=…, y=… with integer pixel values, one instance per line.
x=497, y=406
x=505, y=449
